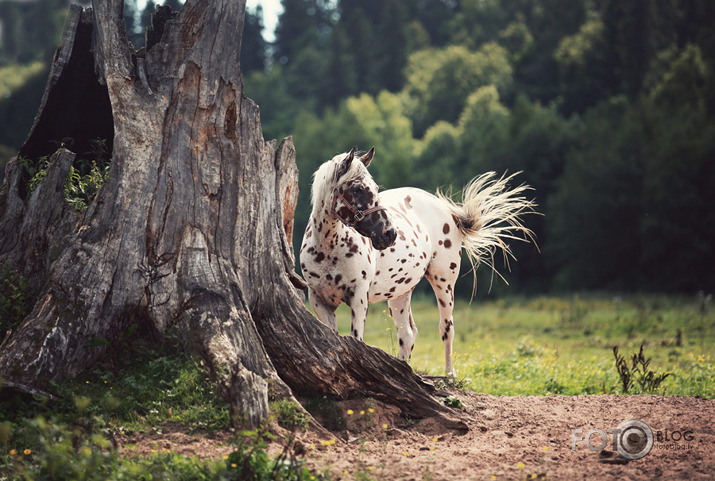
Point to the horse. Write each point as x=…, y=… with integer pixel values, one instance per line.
x=362, y=246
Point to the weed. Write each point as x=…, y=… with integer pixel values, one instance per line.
x=638, y=372
x=289, y=415
x=453, y=402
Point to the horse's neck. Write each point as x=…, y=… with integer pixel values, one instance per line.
x=326, y=230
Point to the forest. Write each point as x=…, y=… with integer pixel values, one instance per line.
x=606, y=107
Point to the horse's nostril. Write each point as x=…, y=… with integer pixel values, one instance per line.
x=391, y=236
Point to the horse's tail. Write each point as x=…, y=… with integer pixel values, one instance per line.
x=490, y=215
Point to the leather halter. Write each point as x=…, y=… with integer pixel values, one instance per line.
x=359, y=214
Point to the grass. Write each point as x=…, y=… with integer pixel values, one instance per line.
x=70, y=437
x=539, y=346
x=552, y=345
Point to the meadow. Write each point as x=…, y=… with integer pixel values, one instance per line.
x=560, y=345
x=518, y=346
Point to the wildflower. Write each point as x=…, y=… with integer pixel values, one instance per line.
x=494, y=477
x=405, y=453
x=329, y=442
x=435, y=439
x=234, y=465
x=546, y=448
x=27, y=451
x=370, y=410
x=362, y=413
x=384, y=426
x=13, y=452
x=533, y=475
x=520, y=465
x=350, y=412
x=225, y=457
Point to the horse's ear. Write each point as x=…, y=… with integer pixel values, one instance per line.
x=367, y=158
x=345, y=164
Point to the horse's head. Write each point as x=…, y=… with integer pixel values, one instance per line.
x=356, y=201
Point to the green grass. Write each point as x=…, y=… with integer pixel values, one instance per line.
x=69, y=437
x=551, y=345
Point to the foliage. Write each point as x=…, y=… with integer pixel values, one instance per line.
x=79, y=189
x=607, y=108
x=289, y=415
x=81, y=450
x=15, y=299
x=638, y=373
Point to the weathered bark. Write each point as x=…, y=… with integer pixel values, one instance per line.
x=193, y=227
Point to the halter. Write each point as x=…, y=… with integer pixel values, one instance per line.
x=359, y=214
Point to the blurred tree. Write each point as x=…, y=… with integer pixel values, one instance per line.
x=584, y=75
x=253, y=45
x=593, y=217
x=303, y=23
x=439, y=81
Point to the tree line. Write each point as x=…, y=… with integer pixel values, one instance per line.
x=605, y=105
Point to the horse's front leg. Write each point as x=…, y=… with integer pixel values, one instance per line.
x=401, y=313
x=324, y=311
x=358, y=307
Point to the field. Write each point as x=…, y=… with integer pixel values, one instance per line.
x=153, y=414
x=551, y=345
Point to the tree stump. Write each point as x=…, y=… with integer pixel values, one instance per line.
x=192, y=228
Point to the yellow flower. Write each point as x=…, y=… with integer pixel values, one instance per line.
x=234, y=465
x=546, y=448
x=520, y=465
x=27, y=451
x=329, y=442
x=435, y=439
x=225, y=456
x=494, y=477
x=384, y=426
x=405, y=453
x=533, y=475
x=370, y=410
x=350, y=412
x=362, y=413
x=13, y=452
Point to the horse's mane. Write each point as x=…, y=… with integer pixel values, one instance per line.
x=324, y=181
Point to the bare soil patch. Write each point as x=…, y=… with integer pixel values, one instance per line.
x=509, y=437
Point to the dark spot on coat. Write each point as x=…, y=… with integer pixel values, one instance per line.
x=453, y=265
x=319, y=257
x=445, y=228
x=447, y=243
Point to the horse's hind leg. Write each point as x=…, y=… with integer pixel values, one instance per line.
x=324, y=311
x=443, y=285
x=401, y=313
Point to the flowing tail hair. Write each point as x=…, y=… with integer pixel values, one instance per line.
x=490, y=215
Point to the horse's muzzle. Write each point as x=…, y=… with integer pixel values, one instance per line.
x=383, y=240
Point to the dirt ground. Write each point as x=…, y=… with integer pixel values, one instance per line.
x=515, y=437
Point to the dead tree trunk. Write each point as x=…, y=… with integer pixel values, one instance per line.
x=192, y=228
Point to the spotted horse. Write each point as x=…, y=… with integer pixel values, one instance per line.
x=362, y=246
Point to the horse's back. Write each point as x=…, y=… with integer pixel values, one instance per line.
x=417, y=204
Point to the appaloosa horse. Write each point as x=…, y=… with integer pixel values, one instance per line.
x=361, y=247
